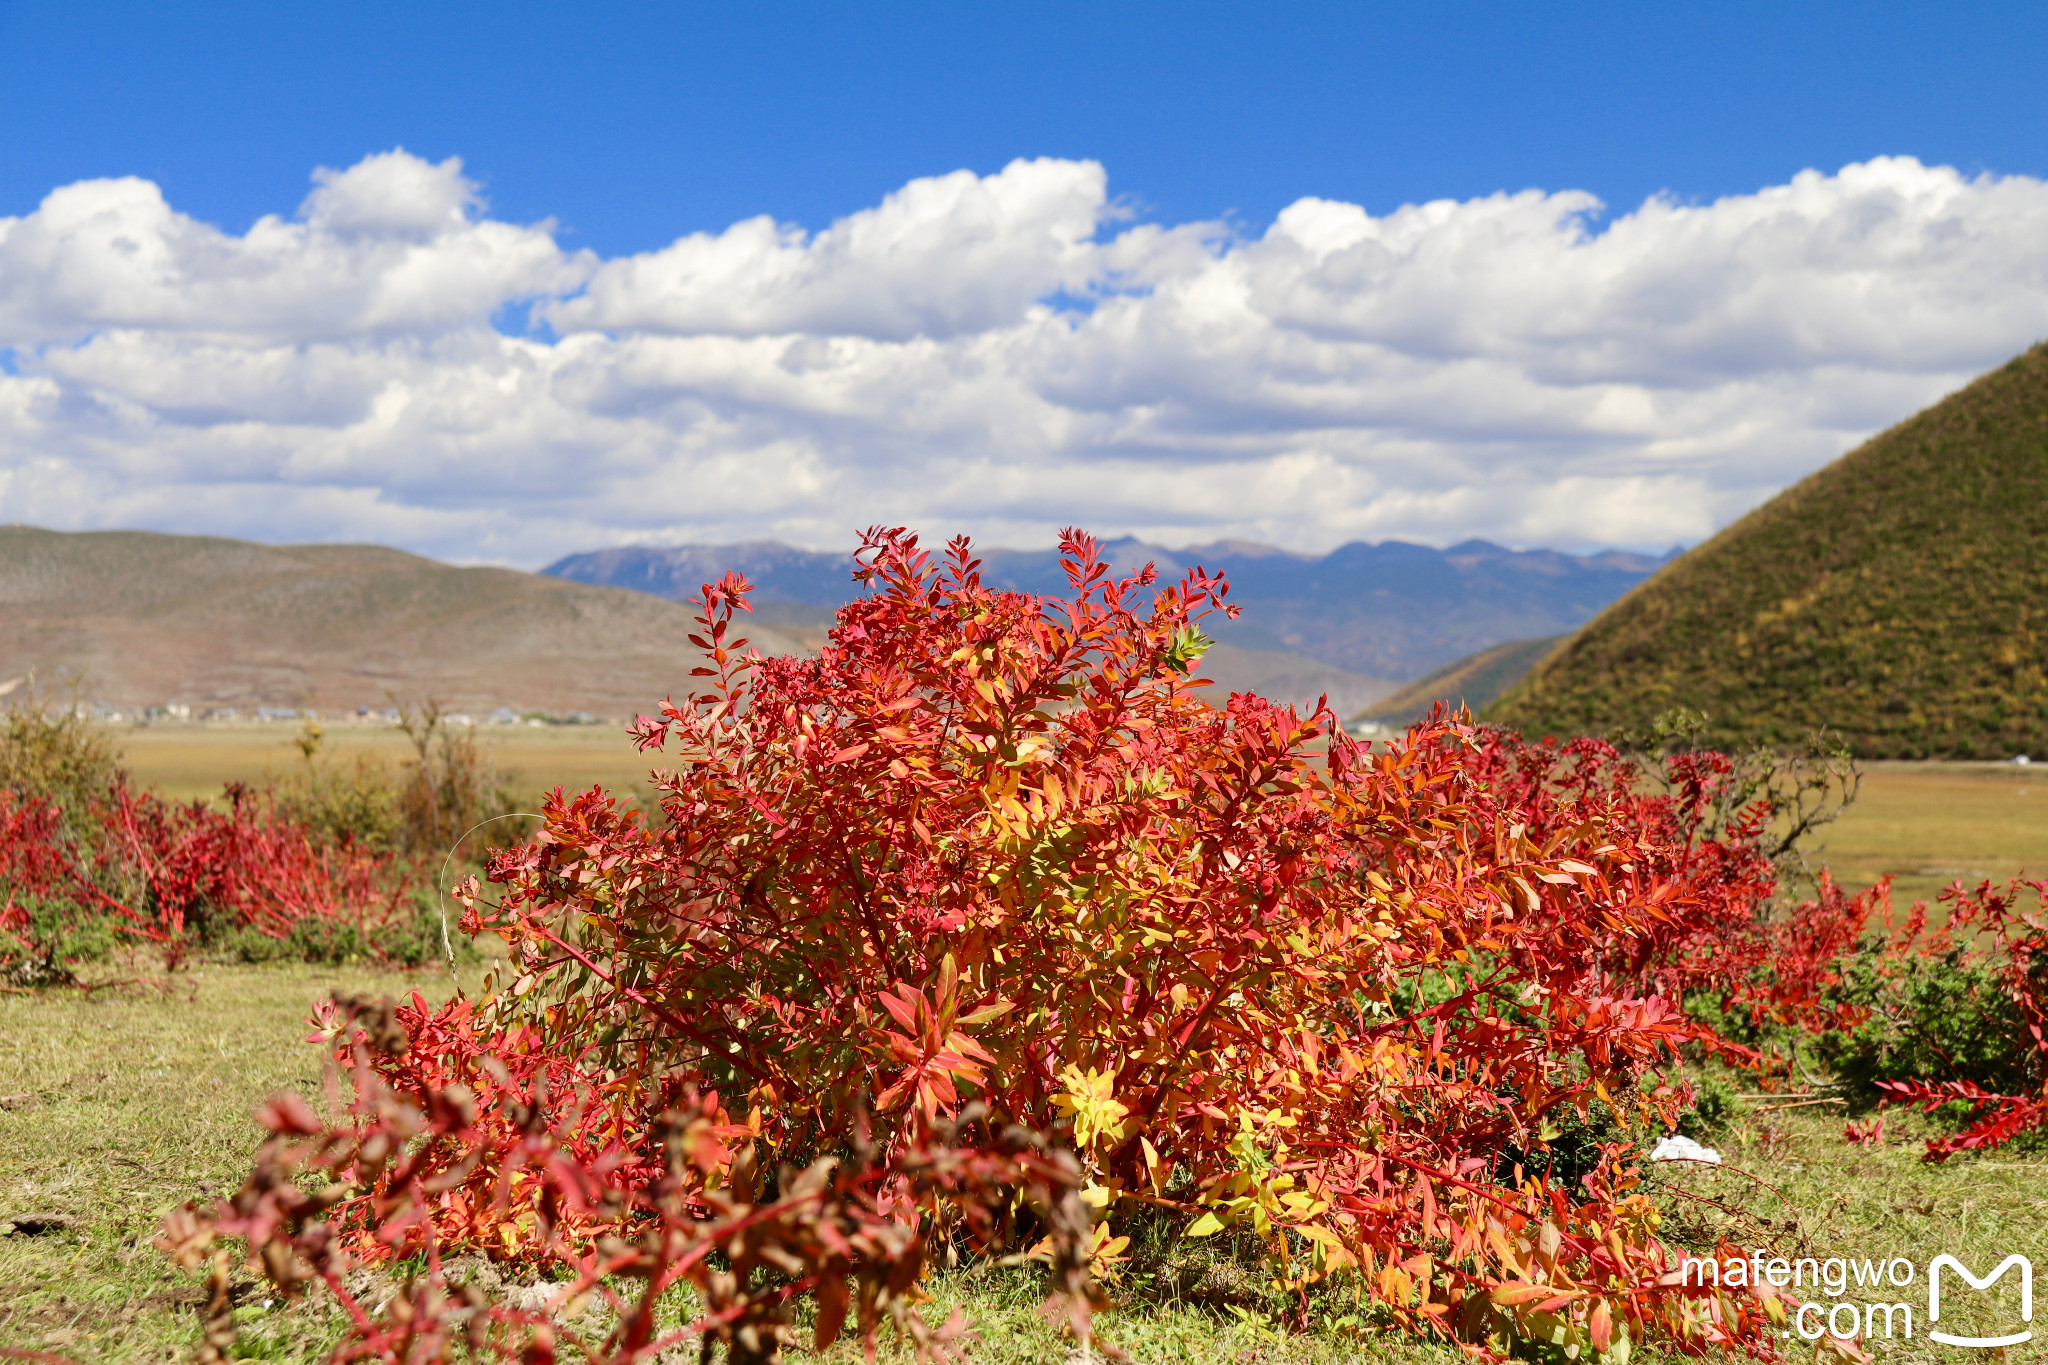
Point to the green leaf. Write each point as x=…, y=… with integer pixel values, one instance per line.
x=1208, y=1225
x=1186, y=649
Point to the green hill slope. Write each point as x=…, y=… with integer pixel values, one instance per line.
x=1898, y=596
x=1474, y=681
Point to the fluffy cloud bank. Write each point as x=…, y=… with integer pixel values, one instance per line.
x=1001, y=354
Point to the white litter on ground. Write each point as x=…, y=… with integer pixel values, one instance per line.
x=1678, y=1147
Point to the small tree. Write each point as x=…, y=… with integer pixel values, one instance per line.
x=451, y=785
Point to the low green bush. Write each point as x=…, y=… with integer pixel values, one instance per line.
x=57, y=755
x=428, y=806
x=354, y=801
x=1931, y=1019
x=62, y=933
x=404, y=941
x=1713, y=1110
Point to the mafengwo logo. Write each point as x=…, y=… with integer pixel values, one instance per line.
x=2026, y=1269
x=1816, y=1318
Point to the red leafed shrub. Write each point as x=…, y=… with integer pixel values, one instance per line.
x=1968, y=997
x=667, y=1199
x=2005, y=940
x=989, y=849
x=137, y=866
x=1711, y=928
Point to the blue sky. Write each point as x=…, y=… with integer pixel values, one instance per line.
x=632, y=123
x=502, y=282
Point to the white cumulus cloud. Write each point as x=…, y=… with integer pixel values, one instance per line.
x=1001, y=354
x=387, y=249
x=939, y=257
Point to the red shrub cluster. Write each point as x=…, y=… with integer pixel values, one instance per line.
x=654, y=1205
x=2010, y=937
x=1708, y=931
x=986, y=868
x=1785, y=966
x=168, y=873
x=990, y=847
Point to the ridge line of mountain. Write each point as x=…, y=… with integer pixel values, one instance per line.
x=1392, y=610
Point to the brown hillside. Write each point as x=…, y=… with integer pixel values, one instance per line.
x=1288, y=678
x=143, y=619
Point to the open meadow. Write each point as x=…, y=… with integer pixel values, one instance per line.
x=1930, y=824
x=188, y=762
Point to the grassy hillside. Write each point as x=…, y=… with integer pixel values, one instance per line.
x=1474, y=681
x=1899, y=596
x=142, y=619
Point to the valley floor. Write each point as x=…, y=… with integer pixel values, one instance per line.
x=1927, y=824
x=1930, y=824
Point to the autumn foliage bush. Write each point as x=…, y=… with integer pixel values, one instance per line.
x=1956, y=1018
x=685, y=1191
x=1949, y=1014
x=987, y=866
x=115, y=866
x=1756, y=968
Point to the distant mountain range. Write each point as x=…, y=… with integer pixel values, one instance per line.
x=1376, y=615
x=139, y=619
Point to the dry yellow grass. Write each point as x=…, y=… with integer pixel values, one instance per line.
x=188, y=761
x=1930, y=824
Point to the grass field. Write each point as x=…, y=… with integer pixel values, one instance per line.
x=188, y=761
x=116, y=1107
x=1932, y=823
x=1927, y=823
